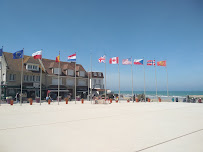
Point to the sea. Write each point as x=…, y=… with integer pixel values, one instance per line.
x=162, y=94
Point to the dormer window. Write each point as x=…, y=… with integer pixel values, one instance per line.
x=95, y=74
x=32, y=67
x=99, y=74
x=57, y=71
x=82, y=73
x=70, y=72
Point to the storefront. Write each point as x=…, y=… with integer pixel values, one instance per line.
x=82, y=91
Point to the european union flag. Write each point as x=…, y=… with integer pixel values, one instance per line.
x=18, y=54
x=1, y=52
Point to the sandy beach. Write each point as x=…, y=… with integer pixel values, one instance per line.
x=116, y=127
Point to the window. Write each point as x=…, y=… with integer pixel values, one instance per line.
x=95, y=74
x=70, y=82
x=12, y=77
x=30, y=78
x=81, y=82
x=57, y=71
x=37, y=78
x=82, y=73
x=99, y=74
x=70, y=72
x=32, y=67
x=94, y=81
x=55, y=81
x=99, y=81
x=24, y=77
x=33, y=78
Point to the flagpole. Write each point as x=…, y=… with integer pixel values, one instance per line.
x=144, y=83
x=58, y=78
x=119, y=82
x=155, y=78
x=41, y=83
x=167, y=81
x=91, y=76
x=132, y=76
x=75, y=81
x=1, y=74
x=21, y=92
x=88, y=98
x=105, y=78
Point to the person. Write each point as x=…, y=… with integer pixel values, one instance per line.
x=17, y=97
x=176, y=99
x=173, y=99
x=134, y=98
x=47, y=98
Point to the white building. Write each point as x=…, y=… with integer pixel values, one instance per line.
x=96, y=82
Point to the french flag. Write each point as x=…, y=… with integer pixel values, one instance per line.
x=114, y=60
x=72, y=58
x=37, y=55
x=138, y=61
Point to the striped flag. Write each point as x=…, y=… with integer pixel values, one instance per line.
x=37, y=55
x=127, y=61
x=58, y=58
x=72, y=58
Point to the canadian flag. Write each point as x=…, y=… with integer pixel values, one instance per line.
x=37, y=55
x=114, y=60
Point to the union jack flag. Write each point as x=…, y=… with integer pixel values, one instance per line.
x=102, y=59
x=151, y=62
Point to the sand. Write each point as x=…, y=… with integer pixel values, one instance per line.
x=117, y=127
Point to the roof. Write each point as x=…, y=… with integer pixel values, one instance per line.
x=16, y=64
x=50, y=64
x=97, y=74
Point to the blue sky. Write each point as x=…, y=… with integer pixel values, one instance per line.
x=169, y=30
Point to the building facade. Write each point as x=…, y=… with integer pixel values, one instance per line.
x=11, y=77
x=96, y=82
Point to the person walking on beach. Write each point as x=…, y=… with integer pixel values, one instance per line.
x=17, y=97
x=134, y=98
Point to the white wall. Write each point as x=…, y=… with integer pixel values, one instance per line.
x=81, y=82
x=97, y=83
x=3, y=74
x=55, y=81
x=70, y=82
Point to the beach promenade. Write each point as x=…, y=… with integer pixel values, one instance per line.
x=116, y=127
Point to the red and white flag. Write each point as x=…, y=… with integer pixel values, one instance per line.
x=151, y=62
x=37, y=55
x=114, y=60
x=102, y=59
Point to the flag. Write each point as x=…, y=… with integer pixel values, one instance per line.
x=161, y=63
x=138, y=61
x=58, y=58
x=114, y=60
x=127, y=61
x=1, y=52
x=37, y=55
x=18, y=54
x=151, y=62
x=72, y=58
x=102, y=59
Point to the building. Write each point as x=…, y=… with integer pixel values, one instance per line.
x=11, y=77
x=96, y=82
